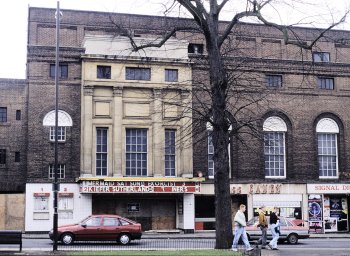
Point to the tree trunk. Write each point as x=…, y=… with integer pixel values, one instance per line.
x=219, y=84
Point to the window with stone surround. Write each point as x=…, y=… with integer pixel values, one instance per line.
x=327, y=147
x=274, y=147
x=136, y=152
x=101, y=151
x=170, y=152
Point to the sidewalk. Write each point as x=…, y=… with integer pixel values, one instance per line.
x=177, y=234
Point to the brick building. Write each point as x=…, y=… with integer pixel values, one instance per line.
x=297, y=159
x=13, y=151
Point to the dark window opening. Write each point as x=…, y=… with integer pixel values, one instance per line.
x=326, y=83
x=274, y=81
x=62, y=70
x=104, y=72
x=17, y=157
x=321, y=56
x=195, y=48
x=3, y=114
x=138, y=74
x=2, y=156
x=171, y=75
x=18, y=114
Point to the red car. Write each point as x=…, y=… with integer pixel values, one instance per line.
x=100, y=228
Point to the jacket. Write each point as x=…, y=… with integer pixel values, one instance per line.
x=240, y=218
x=273, y=218
x=262, y=219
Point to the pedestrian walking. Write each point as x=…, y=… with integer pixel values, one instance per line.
x=240, y=224
x=263, y=227
x=274, y=226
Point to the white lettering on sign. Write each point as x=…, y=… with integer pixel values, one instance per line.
x=138, y=187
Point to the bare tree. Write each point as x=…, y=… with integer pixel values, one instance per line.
x=223, y=89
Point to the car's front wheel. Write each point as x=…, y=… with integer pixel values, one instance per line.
x=292, y=239
x=124, y=239
x=67, y=238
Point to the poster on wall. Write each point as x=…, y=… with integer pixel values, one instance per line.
x=330, y=224
x=315, y=213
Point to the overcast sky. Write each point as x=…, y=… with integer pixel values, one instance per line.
x=14, y=14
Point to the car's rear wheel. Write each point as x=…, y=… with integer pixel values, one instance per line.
x=124, y=239
x=292, y=239
x=67, y=238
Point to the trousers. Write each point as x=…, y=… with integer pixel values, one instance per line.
x=240, y=232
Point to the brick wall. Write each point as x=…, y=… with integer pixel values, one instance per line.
x=13, y=135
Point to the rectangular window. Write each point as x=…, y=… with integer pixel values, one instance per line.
x=2, y=156
x=61, y=133
x=171, y=75
x=326, y=83
x=321, y=56
x=274, y=81
x=62, y=70
x=60, y=171
x=170, y=153
x=18, y=114
x=327, y=155
x=104, y=72
x=65, y=207
x=101, y=151
x=195, y=48
x=274, y=149
x=137, y=73
x=3, y=114
x=136, y=152
x=41, y=203
x=210, y=155
x=17, y=157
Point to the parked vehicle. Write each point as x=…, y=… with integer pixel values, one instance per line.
x=290, y=230
x=100, y=228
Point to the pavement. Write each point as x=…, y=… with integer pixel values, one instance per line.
x=167, y=234
x=178, y=234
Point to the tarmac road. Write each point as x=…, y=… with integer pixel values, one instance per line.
x=309, y=247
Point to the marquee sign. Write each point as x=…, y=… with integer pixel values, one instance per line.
x=98, y=186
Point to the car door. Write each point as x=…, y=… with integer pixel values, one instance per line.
x=110, y=228
x=90, y=229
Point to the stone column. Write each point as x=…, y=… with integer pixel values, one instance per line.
x=158, y=135
x=186, y=168
x=117, y=131
x=87, y=132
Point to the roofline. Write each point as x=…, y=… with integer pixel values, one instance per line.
x=179, y=18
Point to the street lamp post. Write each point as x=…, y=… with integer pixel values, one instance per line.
x=55, y=184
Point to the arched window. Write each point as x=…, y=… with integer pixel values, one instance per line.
x=64, y=120
x=327, y=148
x=274, y=147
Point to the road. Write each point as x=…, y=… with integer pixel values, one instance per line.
x=309, y=247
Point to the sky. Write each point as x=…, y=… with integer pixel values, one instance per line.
x=14, y=15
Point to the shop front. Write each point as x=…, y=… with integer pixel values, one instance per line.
x=290, y=198
x=328, y=207
x=156, y=203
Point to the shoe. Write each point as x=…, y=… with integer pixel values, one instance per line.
x=250, y=249
x=234, y=249
x=269, y=246
x=274, y=249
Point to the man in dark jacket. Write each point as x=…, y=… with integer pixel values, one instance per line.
x=274, y=226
